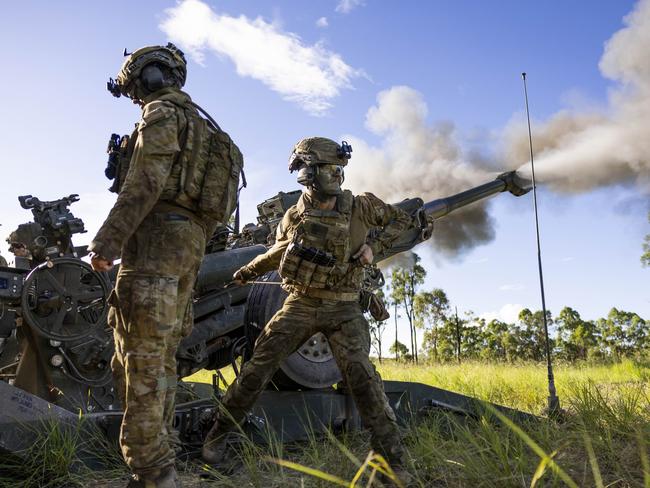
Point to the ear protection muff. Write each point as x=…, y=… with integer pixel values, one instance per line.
x=152, y=78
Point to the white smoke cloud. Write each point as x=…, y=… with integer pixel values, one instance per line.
x=580, y=151
x=416, y=159
x=346, y=6
x=309, y=75
x=509, y=313
x=322, y=22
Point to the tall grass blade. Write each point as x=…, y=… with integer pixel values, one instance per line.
x=645, y=463
x=541, y=469
x=532, y=445
x=593, y=462
x=316, y=473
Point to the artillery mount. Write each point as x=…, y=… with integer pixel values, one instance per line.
x=55, y=345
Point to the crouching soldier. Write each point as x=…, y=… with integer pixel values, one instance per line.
x=320, y=249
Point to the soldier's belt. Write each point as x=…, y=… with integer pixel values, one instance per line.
x=340, y=296
x=168, y=207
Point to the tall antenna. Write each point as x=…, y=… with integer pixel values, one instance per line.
x=553, y=400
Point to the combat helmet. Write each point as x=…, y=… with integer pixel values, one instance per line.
x=149, y=69
x=320, y=162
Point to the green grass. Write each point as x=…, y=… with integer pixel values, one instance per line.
x=56, y=457
x=603, y=441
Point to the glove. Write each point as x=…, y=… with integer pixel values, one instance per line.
x=243, y=275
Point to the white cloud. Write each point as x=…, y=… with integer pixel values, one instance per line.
x=346, y=6
x=509, y=313
x=322, y=22
x=309, y=75
x=512, y=287
x=415, y=157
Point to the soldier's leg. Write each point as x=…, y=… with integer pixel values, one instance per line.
x=291, y=326
x=185, y=321
x=185, y=239
x=148, y=305
x=350, y=343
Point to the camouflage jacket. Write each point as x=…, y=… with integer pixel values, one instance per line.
x=3, y=261
x=157, y=147
x=368, y=212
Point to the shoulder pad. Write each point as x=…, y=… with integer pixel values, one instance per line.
x=156, y=111
x=368, y=202
x=369, y=198
x=299, y=207
x=344, y=202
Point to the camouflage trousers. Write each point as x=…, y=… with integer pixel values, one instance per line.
x=151, y=311
x=347, y=331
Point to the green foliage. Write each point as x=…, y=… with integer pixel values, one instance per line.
x=576, y=338
x=431, y=310
x=622, y=334
x=404, y=282
x=55, y=457
x=400, y=350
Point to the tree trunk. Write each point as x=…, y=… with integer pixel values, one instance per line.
x=395, y=315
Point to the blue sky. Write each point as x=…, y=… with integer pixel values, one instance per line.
x=457, y=63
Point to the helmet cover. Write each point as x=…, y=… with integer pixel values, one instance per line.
x=168, y=56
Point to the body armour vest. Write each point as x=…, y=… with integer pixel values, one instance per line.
x=319, y=255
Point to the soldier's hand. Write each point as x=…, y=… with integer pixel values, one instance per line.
x=364, y=255
x=100, y=263
x=239, y=278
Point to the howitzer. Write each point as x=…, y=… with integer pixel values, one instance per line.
x=61, y=306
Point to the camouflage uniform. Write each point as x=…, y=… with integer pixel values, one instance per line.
x=3, y=261
x=328, y=306
x=161, y=245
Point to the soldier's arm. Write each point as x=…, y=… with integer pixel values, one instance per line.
x=153, y=157
x=270, y=260
x=391, y=221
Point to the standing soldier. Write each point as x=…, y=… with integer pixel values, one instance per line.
x=321, y=246
x=176, y=177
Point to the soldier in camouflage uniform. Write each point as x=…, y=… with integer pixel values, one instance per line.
x=321, y=246
x=160, y=234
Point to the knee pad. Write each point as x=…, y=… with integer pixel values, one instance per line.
x=357, y=375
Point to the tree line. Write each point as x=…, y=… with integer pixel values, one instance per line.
x=439, y=334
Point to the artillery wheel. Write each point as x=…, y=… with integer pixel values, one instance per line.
x=65, y=300
x=312, y=365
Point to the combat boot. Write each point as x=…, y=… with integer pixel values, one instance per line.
x=405, y=478
x=165, y=478
x=215, y=446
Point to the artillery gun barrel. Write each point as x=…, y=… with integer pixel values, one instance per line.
x=425, y=213
x=217, y=269
x=509, y=181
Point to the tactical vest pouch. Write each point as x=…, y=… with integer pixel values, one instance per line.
x=306, y=267
x=374, y=305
